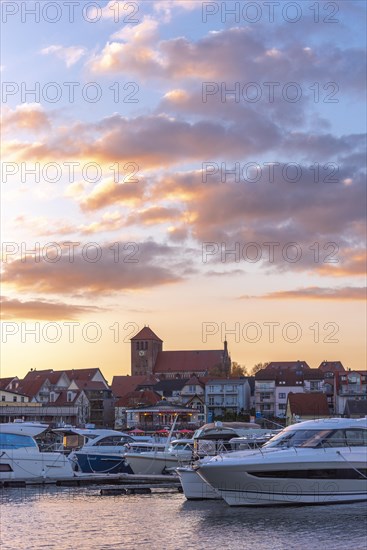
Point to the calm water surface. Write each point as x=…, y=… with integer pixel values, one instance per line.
x=80, y=518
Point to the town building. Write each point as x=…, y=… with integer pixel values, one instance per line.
x=76, y=397
x=278, y=379
x=349, y=385
x=223, y=396
x=148, y=358
x=161, y=416
x=306, y=406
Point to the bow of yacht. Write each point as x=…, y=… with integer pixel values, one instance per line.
x=314, y=462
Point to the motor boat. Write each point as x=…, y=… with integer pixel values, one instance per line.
x=21, y=458
x=314, y=462
x=101, y=450
x=211, y=439
x=159, y=461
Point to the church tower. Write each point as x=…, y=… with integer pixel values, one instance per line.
x=145, y=347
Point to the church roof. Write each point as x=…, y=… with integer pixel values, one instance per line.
x=190, y=361
x=146, y=333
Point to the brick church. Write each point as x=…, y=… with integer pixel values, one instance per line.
x=148, y=358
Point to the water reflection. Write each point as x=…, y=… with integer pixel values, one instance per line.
x=69, y=518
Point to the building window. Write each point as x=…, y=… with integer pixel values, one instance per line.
x=314, y=385
x=282, y=406
x=22, y=399
x=14, y=398
x=266, y=395
x=282, y=396
x=211, y=400
x=3, y=398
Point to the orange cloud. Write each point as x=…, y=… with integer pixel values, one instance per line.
x=43, y=310
x=88, y=268
x=316, y=293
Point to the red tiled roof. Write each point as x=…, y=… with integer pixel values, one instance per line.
x=63, y=398
x=32, y=383
x=81, y=374
x=89, y=385
x=4, y=382
x=121, y=385
x=146, y=333
x=308, y=404
x=289, y=372
x=286, y=365
x=313, y=374
x=138, y=398
x=194, y=381
x=331, y=366
x=187, y=361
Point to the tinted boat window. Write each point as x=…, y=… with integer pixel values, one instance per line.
x=320, y=438
x=13, y=441
x=299, y=438
x=356, y=438
x=115, y=441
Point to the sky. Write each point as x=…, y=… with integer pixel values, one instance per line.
x=198, y=167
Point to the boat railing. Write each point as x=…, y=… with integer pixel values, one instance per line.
x=53, y=447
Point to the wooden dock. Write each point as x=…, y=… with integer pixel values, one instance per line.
x=128, y=483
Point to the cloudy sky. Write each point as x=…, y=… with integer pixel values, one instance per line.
x=198, y=167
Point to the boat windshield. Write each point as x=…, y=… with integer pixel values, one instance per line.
x=15, y=441
x=181, y=446
x=114, y=441
x=319, y=438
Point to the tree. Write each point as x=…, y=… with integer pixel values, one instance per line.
x=259, y=366
x=218, y=371
x=238, y=370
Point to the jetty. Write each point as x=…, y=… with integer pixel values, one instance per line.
x=127, y=483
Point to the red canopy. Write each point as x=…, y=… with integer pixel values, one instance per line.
x=136, y=431
x=162, y=432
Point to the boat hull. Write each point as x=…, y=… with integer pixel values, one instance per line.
x=90, y=463
x=20, y=465
x=267, y=481
x=154, y=463
x=194, y=487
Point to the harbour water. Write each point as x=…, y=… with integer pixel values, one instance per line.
x=80, y=518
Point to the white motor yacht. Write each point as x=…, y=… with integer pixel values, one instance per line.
x=314, y=462
x=214, y=438
x=21, y=459
x=159, y=461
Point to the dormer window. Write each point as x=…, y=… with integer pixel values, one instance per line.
x=70, y=396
